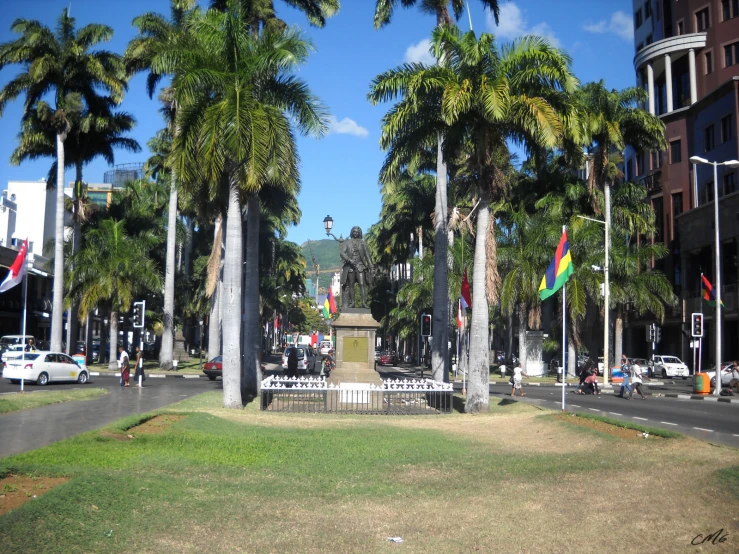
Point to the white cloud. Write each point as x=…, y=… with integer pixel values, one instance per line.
x=419, y=53
x=513, y=24
x=620, y=25
x=346, y=126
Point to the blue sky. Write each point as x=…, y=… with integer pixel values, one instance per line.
x=339, y=172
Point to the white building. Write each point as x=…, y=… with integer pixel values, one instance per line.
x=336, y=284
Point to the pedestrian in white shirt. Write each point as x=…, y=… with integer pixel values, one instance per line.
x=518, y=374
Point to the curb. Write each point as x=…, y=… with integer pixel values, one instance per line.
x=706, y=398
x=152, y=375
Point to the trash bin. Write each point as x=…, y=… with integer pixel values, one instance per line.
x=701, y=383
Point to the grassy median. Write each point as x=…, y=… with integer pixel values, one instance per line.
x=202, y=479
x=23, y=401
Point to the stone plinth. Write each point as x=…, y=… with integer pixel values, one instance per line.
x=355, y=347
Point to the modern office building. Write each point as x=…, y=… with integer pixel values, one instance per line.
x=687, y=59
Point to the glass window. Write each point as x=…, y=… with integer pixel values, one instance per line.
x=648, y=9
x=51, y=358
x=676, y=155
x=729, y=183
x=637, y=19
x=730, y=54
x=677, y=209
x=727, y=131
x=725, y=9
x=708, y=138
x=679, y=28
x=702, y=21
x=649, y=39
x=707, y=193
x=709, y=63
x=658, y=218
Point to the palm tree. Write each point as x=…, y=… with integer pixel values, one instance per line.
x=236, y=92
x=60, y=63
x=261, y=13
x=155, y=51
x=109, y=270
x=481, y=97
x=439, y=8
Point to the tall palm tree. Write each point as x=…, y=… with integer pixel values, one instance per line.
x=261, y=13
x=440, y=8
x=236, y=92
x=109, y=270
x=481, y=97
x=61, y=63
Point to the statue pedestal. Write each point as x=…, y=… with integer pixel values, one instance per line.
x=355, y=348
x=179, y=352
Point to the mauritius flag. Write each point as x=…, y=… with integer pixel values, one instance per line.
x=709, y=294
x=559, y=270
x=329, y=306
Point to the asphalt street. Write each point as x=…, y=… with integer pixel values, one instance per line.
x=28, y=429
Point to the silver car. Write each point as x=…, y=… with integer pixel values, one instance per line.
x=306, y=358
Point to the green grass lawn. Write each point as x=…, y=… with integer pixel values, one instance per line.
x=23, y=401
x=248, y=481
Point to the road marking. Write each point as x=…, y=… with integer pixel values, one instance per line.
x=593, y=409
x=668, y=423
x=575, y=406
x=701, y=429
x=642, y=418
x=684, y=396
x=736, y=435
x=157, y=376
x=615, y=413
x=191, y=376
x=709, y=399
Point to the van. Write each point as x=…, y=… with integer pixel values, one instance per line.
x=324, y=347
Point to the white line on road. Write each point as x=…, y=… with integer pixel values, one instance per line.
x=642, y=418
x=575, y=406
x=701, y=429
x=157, y=376
x=593, y=409
x=191, y=376
x=615, y=413
x=668, y=423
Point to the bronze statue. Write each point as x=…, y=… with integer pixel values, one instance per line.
x=357, y=268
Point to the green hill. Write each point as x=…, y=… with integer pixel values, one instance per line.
x=326, y=252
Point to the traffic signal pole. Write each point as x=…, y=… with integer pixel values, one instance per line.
x=140, y=324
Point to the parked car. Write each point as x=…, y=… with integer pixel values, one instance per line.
x=324, y=347
x=728, y=377
x=96, y=358
x=11, y=352
x=214, y=368
x=44, y=367
x=642, y=365
x=378, y=353
x=388, y=358
x=670, y=366
x=11, y=340
x=306, y=358
x=600, y=365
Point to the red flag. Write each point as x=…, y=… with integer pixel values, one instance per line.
x=459, y=313
x=17, y=270
x=465, y=294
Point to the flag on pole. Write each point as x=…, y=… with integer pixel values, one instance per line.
x=17, y=270
x=329, y=306
x=459, y=313
x=559, y=270
x=709, y=294
x=464, y=296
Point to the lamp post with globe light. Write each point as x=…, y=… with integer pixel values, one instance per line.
x=717, y=244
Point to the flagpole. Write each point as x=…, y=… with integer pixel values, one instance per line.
x=23, y=331
x=564, y=338
x=700, y=339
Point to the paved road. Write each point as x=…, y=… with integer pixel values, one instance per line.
x=29, y=429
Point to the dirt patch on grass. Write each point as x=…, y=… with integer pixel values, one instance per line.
x=155, y=425
x=603, y=427
x=16, y=490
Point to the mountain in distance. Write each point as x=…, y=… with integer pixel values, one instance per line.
x=326, y=252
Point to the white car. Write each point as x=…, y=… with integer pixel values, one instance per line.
x=13, y=351
x=306, y=358
x=670, y=366
x=727, y=376
x=324, y=347
x=44, y=367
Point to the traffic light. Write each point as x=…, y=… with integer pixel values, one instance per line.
x=138, y=314
x=651, y=333
x=657, y=333
x=697, y=325
x=425, y=325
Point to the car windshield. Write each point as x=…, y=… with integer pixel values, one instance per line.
x=10, y=340
x=217, y=360
x=670, y=360
x=28, y=356
x=301, y=352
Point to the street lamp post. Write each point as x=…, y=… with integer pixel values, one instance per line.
x=717, y=245
x=201, y=345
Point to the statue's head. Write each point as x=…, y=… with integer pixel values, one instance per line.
x=356, y=233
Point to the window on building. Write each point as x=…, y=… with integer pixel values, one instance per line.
x=676, y=155
x=647, y=9
x=641, y=169
x=656, y=160
x=707, y=193
x=702, y=21
x=680, y=28
x=649, y=40
x=709, y=63
x=639, y=46
x=731, y=54
x=729, y=183
x=727, y=130
x=659, y=218
x=729, y=9
x=637, y=19
x=677, y=209
x=709, y=138
x=658, y=11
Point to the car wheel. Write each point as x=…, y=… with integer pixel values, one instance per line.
x=43, y=379
x=83, y=377
x=211, y=377
x=14, y=381
x=664, y=373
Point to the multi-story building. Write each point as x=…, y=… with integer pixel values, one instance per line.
x=687, y=59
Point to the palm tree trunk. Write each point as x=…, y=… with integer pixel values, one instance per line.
x=72, y=319
x=478, y=393
x=165, y=354
x=232, y=300
x=571, y=358
x=113, y=341
x=57, y=314
x=440, y=330
x=214, y=320
x=420, y=243
x=618, y=335
x=522, y=350
x=253, y=334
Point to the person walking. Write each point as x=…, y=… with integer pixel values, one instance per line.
x=518, y=375
x=124, y=365
x=625, y=386
x=292, y=362
x=139, y=376
x=636, y=381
